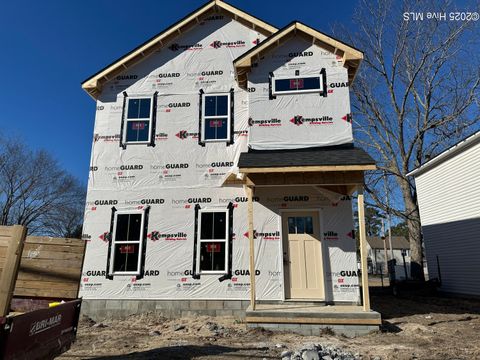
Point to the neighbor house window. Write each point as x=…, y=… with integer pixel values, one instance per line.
x=216, y=117
x=127, y=242
x=212, y=251
x=138, y=120
x=297, y=84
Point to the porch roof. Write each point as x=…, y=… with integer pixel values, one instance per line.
x=332, y=158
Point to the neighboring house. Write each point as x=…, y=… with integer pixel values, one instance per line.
x=448, y=188
x=377, y=246
x=221, y=173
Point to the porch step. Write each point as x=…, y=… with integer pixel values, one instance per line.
x=311, y=314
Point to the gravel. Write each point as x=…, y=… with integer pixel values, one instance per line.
x=319, y=352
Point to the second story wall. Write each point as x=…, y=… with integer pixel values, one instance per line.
x=286, y=112
x=183, y=149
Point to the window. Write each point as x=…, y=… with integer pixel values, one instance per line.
x=127, y=243
x=296, y=84
x=216, y=117
x=138, y=120
x=212, y=251
x=300, y=225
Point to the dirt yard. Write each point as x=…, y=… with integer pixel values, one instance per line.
x=414, y=328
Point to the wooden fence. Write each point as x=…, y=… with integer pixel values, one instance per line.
x=49, y=267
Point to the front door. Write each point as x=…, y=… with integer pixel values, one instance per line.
x=302, y=255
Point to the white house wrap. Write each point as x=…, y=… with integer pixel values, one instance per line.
x=161, y=157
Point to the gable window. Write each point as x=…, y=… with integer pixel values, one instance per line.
x=127, y=243
x=216, y=117
x=297, y=84
x=138, y=120
x=212, y=247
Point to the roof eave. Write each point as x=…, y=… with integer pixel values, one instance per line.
x=448, y=153
x=93, y=84
x=351, y=57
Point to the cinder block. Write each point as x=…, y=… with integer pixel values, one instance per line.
x=224, y=312
x=215, y=304
x=169, y=313
x=272, y=327
x=164, y=304
x=130, y=305
x=113, y=304
x=306, y=329
x=208, y=312
x=245, y=304
x=189, y=313
x=232, y=304
x=289, y=327
x=198, y=305
x=239, y=314
x=146, y=306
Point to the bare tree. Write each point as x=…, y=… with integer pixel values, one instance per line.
x=417, y=92
x=36, y=192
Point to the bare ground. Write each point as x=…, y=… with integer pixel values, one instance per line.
x=415, y=327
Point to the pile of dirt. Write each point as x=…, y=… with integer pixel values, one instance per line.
x=413, y=328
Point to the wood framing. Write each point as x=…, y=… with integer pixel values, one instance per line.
x=351, y=57
x=93, y=85
x=251, y=242
x=13, y=255
x=312, y=320
x=307, y=168
x=363, y=250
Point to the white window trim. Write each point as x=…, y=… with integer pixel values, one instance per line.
x=227, y=227
x=149, y=119
x=274, y=92
x=114, y=242
x=204, y=123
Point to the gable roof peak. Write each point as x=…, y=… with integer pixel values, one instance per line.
x=93, y=85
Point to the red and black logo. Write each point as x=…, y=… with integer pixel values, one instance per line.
x=266, y=122
x=275, y=235
x=177, y=47
x=300, y=120
x=347, y=118
x=156, y=235
x=184, y=134
x=231, y=44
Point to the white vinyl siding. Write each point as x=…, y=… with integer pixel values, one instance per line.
x=449, y=203
x=451, y=190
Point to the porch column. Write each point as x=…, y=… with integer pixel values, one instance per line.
x=363, y=249
x=249, y=190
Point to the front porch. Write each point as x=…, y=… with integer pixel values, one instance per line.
x=338, y=171
x=313, y=319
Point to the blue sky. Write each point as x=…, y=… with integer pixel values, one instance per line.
x=50, y=47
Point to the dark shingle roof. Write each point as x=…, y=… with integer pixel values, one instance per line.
x=398, y=242
x=324, y=156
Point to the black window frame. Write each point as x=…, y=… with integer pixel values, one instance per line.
x=126, y=120
x=204, y=118
x=141, y=242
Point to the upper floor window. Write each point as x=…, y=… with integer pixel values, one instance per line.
x=216, y=117
x=297, y=84
x=138, y=121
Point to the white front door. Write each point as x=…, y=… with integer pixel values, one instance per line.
x=303, y=265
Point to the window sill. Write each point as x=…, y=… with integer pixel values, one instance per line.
x=137, y=143
x=212, y=273
x=124, y=274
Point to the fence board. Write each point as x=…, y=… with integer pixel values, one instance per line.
x=50, y=267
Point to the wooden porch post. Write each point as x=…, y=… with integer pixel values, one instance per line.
x=12, y=264
x=363, y=249
x=249, y=190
